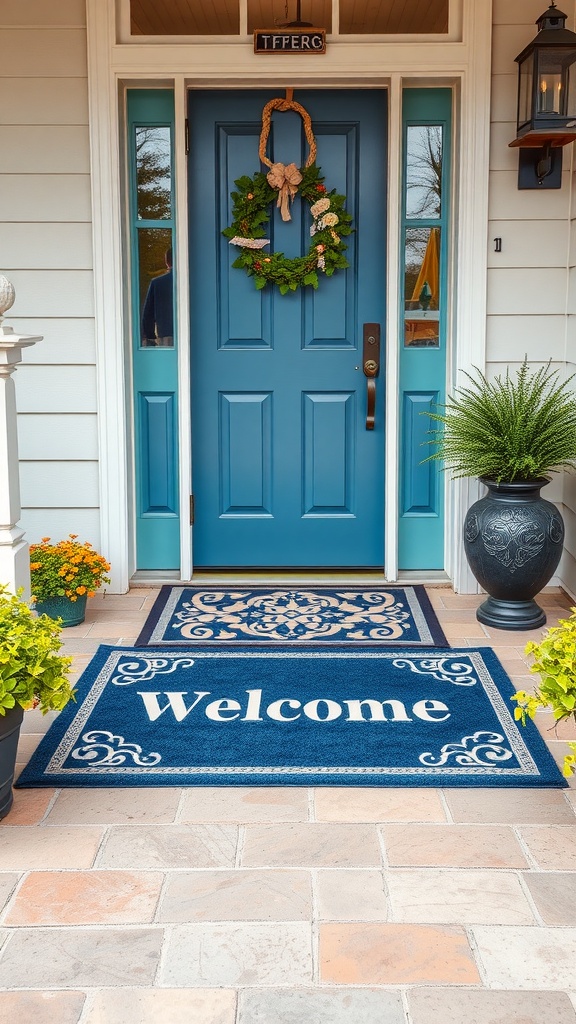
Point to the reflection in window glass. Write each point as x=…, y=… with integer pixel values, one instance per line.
x=271, y=13
x=422, y=287
x=185, y=18
x=392, y=18
x=156, y=287
x=153, y=173
x=424, y=171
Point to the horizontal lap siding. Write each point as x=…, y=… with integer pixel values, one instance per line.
x=46, y=251
x=532, y=282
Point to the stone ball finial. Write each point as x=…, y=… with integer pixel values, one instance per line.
x=7, y=295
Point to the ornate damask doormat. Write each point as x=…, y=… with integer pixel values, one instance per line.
x=295, y=718
x=306, y=616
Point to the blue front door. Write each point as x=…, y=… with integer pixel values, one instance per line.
x=285, y=472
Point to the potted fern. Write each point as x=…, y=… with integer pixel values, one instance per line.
x=32, y=674
x=512, y=432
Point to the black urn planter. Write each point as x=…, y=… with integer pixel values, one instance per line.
x=513, y=542
x=9, y=734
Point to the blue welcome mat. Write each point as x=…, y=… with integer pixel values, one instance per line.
x=278, y=616
x=198, y=717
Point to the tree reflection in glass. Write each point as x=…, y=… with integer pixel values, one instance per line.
x=153, y=173
x=424, y=171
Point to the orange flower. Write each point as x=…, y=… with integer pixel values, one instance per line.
x=80, y=590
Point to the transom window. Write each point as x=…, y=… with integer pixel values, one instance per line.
x=233, y=17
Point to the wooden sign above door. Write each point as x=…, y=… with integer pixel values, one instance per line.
x=290, y=40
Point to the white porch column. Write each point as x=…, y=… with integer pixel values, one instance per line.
x=14, y=560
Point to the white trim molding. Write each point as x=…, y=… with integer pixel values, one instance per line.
x=230, y=64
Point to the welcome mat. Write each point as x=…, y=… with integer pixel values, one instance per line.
x=294, y=718
x=310, y=616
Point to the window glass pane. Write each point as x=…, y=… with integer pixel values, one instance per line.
x=424, y=171
x=390, y=17
x=156, y=287
x=422, y=287
x=153, y=174
x=272, y=13
x=185, y=18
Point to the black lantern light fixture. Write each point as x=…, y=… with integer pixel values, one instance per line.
x=546, y=118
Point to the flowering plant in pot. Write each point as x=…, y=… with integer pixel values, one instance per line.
x=32, y=674
x=511, y=432
x=555, y=662
x=63, y=576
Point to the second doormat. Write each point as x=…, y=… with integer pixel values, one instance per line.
x=277, y=615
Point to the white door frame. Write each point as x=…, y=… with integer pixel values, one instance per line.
x=228, y=64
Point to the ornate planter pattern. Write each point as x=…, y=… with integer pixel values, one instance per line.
x=71, y=612
x=513, y=542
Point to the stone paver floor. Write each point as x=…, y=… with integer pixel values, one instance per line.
x=289, y=905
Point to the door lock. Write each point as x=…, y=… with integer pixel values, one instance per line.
x=371, y=368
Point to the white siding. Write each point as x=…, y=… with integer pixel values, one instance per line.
x=532, y=282
x=46, y=251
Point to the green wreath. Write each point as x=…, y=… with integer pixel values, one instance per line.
x=330, y=223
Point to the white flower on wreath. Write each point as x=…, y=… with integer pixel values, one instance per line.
x=320, y=206
x=313, y=229
x=329, y=220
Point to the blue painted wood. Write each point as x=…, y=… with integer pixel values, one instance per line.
x=155, y=376
x=284, y=470
x=423, y=369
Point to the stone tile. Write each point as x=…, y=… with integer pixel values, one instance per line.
x=366, y=805
x=242, y=804
x=7, y=885
x=571, y=798
x=78, y=958
x=170, y=1006
x=457, y=846
x=527, y=958
x=35, y=721
x=448, y=599
x=174, y=846
x=311, y=845
x=29, y=806
x=455, y=630
x=114, y=806
x=554, y=894
x=230, y=955
x=351, y=896
x=551, y=729
x=509, y=806
x=329, y=1006
x=115, y=602
x=24, y=848
x=395, y=954
x=237, y=896
x=553, y=848
x=86, y=897
x=457, y=897
x=27, y=744
x=126, y=628
x=467, y=1006
x=41, y=1007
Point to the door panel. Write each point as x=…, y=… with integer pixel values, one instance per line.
x=284, y=471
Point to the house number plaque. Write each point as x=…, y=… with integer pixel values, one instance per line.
x=294, y=40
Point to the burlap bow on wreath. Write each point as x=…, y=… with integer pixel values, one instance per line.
x=282, y=182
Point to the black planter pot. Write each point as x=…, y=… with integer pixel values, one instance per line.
x=513, y=542
x=9, y=733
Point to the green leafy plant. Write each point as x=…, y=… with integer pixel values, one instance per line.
x=512, y=428
x=555, y=661
x=66, y=569
x=32, y=673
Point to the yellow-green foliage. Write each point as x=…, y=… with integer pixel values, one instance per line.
x=32, y=673
x=555, y=662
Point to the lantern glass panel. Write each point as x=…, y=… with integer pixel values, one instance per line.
x=554, y=68
x=525, y=91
